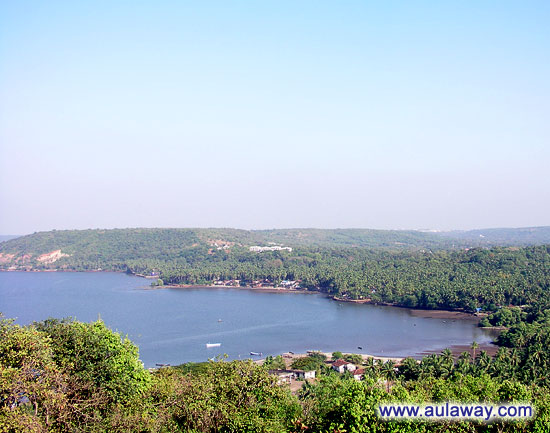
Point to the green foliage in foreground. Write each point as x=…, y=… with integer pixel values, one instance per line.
x=67, y=376
x=94, y=354
x=338, y=405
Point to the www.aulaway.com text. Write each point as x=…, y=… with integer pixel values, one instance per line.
x=457, y=411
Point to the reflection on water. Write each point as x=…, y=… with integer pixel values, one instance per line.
x=174, y=325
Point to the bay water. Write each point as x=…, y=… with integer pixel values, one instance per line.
x=174, y=325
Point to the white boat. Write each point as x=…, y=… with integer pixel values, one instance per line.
x=213, y=345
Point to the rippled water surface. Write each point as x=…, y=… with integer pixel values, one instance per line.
x=174, y=325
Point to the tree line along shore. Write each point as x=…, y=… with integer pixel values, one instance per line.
x=438, y=277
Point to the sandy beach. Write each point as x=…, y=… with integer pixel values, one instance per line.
x=290, y=357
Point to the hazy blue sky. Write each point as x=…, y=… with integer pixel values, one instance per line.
x=263, y=114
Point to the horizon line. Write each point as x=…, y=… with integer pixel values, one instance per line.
x=422, y=230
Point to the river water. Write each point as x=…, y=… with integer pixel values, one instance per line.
x=174, y=325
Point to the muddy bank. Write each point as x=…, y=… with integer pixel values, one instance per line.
x=458, y=349
x=444, y=314
x=430, y=314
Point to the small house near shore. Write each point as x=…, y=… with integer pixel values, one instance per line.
x=358, y=373
x=341, y=366
x=283, y=376
x=286, y=376
x=303, y=374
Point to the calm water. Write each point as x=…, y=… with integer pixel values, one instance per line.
x=174, y=325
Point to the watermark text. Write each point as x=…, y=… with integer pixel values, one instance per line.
x=457, y=411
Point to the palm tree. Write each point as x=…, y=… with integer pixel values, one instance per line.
x=388, y=371
x=370, y=366
x=464, y=364
x=483, y=361
x=409, y=369
x=428, y=366
x=466, y=357
x=474, y=346
x=447, y=362
x=378, y=365
x=501, y=367
x=514, y=360
x=447, y=355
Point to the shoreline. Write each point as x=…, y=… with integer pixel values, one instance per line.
x=255, y=289
x=490, y=348
x=417, y=312
x=289, y=357
x=444, y=314
x=458, y=349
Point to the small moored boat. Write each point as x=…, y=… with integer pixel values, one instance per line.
x=256, y=353
x=213, y=345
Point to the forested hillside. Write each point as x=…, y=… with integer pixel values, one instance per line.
x=119, y=244
x=401, y=270
x=464, y=279
x=120, y=249
x=122, y=244
x=501, y=236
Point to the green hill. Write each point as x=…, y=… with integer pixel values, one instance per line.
x=501, y=236
x=71, y=247
x=114, y=248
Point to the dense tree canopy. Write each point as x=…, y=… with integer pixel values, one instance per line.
x=48, y=384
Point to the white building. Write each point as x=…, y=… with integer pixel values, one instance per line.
x=285, y=376
x=258, y=249
x=341, y=366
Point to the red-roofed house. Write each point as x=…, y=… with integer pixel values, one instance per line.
x=358, y=373
x=340, y=366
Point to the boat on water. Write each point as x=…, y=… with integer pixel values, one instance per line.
x=256, y=353
x=213, y=345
